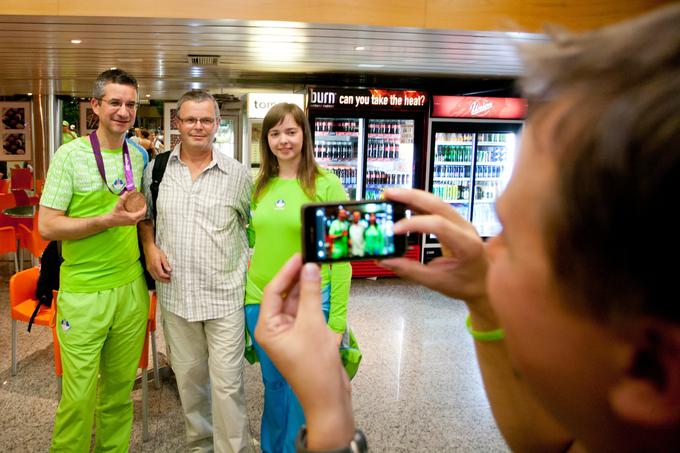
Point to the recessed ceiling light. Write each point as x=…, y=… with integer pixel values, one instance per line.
x=76, y=41
x=367, y=65
x=29, y=94
x=113, y=68
x=148, y=95
x=359, y=48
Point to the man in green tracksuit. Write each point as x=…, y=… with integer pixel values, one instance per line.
x=103, y=300
x=338, y=232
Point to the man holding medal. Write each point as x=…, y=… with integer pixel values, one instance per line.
x=91, y=203
x=198, y=253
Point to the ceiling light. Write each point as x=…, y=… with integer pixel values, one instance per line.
x=76, y=41
x=148, y=95
x=366, y=65
x=359, y=48
x=113, y=68
x=29, y=94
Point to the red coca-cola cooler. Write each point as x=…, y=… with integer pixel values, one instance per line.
x=472, y=143
x=372, y=139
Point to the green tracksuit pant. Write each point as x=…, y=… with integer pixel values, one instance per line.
x=101, y=336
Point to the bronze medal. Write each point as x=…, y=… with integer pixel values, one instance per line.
x=135, y=202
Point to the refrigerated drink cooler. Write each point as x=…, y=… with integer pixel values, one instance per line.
x=389, y=156
x=471, y=158
x=336, y=148
x=470, y=171
x=370, y=146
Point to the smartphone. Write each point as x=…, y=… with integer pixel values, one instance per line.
x=352, y=231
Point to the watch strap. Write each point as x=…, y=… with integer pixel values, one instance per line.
x=358, y=444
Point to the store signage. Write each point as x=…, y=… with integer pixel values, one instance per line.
x=478, y=107
x=260, y=103
x=366, y=99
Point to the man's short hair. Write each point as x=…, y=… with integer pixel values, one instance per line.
x=614, y=135
x=117, y=76
x=198, y=96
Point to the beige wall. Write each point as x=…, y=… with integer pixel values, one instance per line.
x=500, y=15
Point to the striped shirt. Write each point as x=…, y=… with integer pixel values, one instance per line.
x=201, y=228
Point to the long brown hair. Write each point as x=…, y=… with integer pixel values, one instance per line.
x=269, y=166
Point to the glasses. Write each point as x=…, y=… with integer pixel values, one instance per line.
x=191, y=122
x=117, y=104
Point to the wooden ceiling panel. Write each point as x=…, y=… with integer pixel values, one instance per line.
x=253, y=53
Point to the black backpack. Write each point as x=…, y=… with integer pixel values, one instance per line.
x=48, y=279
x=51, y=259
x=159, y=164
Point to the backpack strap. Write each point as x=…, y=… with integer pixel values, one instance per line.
x=35, y=313
x=159, y=164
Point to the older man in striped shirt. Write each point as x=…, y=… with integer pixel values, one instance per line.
x=198, y=257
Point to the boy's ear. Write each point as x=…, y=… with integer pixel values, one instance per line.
x=648, y=392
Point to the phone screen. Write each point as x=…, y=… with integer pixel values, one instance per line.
x=348, y=231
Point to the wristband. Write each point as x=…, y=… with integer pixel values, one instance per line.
x=490, y=335
x=357, y=445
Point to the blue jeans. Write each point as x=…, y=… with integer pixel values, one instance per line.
x=282, y=416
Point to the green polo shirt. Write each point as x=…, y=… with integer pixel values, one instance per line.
x=107, y=259
x=275, y=232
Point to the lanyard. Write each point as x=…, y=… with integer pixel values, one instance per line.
x=129, y=180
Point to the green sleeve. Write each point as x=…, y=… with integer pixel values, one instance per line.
x=250, y=231
x=341, y=273
x=58, y=189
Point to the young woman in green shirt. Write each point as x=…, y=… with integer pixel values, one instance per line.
x=288, y=178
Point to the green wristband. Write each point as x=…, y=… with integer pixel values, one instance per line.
x=491, y=335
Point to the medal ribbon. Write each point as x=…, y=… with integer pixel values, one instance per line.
x=127, y=165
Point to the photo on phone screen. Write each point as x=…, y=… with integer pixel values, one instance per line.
x=361, y=230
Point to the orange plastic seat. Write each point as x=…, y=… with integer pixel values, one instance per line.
x=7, y=201
x=22, y=286
x=4, y=185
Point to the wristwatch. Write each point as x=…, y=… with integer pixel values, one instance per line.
x=357, y=444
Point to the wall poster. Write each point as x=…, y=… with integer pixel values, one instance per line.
x=89, y=122
x=171, y=136
x=15, y=131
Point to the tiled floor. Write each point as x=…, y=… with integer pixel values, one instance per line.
x=418, y=388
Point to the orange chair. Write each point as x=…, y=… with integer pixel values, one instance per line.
x=22, y=286
x=7, y=200
x=4, y=185
x=8, y=243
x=30, y=239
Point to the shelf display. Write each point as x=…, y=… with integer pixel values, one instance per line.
x=472, y=145
x=372, y=139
